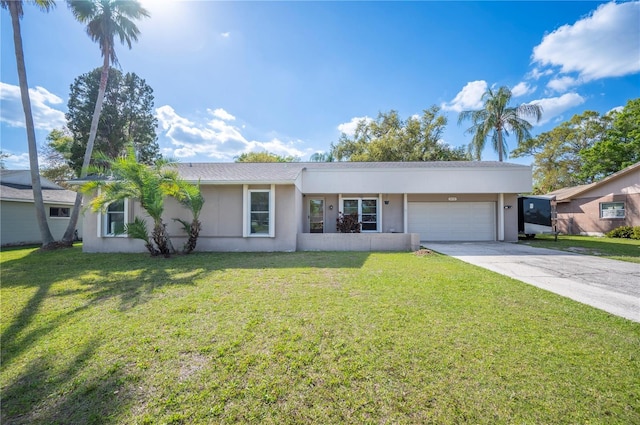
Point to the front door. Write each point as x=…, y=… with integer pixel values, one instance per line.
x=316, y=215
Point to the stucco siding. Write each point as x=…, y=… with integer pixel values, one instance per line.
x=625, y=184
x=418, y=180
x=510, y=217
x=582, y=216
x=393, y=213
x=221, y=218
x=359, y=242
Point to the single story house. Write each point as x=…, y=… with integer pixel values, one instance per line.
x=18, y=225
x=597, y=208
x=294, y=206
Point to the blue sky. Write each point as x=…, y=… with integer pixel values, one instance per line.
x=288, y=77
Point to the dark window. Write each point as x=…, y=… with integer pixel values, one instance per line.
x=259, y=212
x=59, y=212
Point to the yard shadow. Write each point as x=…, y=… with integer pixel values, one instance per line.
x=132, y=283
x=131, y=278
x=69, y=282
x=46, y=393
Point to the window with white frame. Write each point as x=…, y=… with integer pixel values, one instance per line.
x=612, y=210
x=260, y=213
x=59, y=212
x=114, y=218
x=366, y=209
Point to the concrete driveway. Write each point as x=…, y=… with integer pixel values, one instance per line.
x=610, y=285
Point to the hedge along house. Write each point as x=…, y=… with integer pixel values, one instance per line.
x=294, y=206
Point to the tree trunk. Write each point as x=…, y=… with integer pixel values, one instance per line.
x=73, y=220
x=161, y=238
x=41, y=217
x=500, y=145
x=194, y=232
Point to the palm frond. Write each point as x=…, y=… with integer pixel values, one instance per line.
x=137, y=229
x=186, y=226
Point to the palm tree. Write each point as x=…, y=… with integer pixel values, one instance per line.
x=149, y=185
x=497, y=119
x=191, y=198
x=16, y=11
x=105, y=20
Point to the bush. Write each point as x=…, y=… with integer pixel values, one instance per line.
x=348, y=223
x=626, y=232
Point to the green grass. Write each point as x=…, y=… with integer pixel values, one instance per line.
x=284, y=338
x=614, y=248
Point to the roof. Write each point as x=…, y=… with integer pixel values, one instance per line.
x=282, y=172
x=23, y=177
x=568, y=193
x=15, y=185
x=245, y=172
x=288, y=172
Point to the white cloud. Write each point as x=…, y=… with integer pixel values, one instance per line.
x=349, y=128
x=554, y=106
x=215, y=138
x=562, y=84
x=222, y=114
x=604, y=44
x=470, y=97
x=16, y=161
x=44, y=116
x=522, y=89
x=225, y=34
x=536, y=74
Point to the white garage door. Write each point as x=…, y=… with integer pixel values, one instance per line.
x=453, y=221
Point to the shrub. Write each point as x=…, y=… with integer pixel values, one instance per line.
x=626, y=232
x=348, y=223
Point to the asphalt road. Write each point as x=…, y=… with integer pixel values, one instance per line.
x=610, y=285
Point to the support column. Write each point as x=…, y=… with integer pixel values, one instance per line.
x=405, y=214
x=501, y=217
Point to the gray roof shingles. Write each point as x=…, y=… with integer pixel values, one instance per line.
x=289, y=171
x=15, y=185
x=25, y=193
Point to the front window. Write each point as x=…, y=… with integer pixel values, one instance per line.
x=259, y=212
x=114, y=219
x=612, y=210
x=366, y=209
x=59, y=212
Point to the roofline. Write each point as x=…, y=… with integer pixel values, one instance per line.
x=227, y=182
x=31, y=201
x=600, y=182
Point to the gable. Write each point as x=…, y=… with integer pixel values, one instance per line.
x=625, y=182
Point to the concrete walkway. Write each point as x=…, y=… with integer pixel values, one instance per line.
x=610, y=285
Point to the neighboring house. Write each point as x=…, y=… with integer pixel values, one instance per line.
x=597, y=208
x=294, y=206
x=17, y=211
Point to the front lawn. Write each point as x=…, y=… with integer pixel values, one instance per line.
x=298, y=338
x=614, y=248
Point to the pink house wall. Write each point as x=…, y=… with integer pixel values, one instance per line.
x=582, y=214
